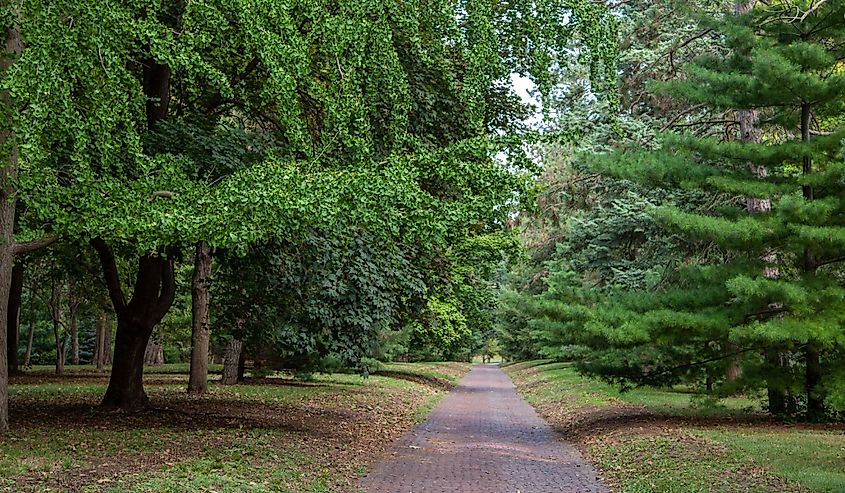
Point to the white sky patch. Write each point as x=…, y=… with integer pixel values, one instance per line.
x=524, y=88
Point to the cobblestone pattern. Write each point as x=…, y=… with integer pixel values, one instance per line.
x=483, y=438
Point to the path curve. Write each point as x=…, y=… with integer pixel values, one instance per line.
x=483, y=438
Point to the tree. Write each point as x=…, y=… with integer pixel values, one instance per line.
x=335, y=98
x=786, y=68
x=200, y=326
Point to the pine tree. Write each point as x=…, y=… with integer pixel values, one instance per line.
x=774, y=300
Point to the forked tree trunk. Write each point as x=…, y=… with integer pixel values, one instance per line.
x=231, y=362
x=200, y=330
x=155, y=283
x=14, y=318
x=155, y=288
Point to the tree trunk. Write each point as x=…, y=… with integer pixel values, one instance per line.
x=30, y=335
x=126, y=384
x=231, y=362
x=6, y=261
x=13, y=320
x=107, y=345
x=74, y=337
x=815, y=398
x=241, y=365
x=813, y=371
x=8, y=174
x=780, y=402
x=155, y=283
x=154, y=355
x=96, y=358
x=56, y=318
x=779, y=399
x=155, y=288
x=200, y=331
x=100, y=339
x=734, y=369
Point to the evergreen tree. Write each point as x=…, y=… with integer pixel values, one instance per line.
x=764, y=289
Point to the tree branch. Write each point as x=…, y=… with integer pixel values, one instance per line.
x=681, y=115
x=168, y=289
x=37, y=244
x=709, y=360
x=110, y=274
x=164, y=194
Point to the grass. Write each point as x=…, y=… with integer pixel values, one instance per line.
x=813, y=459
x=275, y=434
x=446, y=371
x=562, y=378
x=666, y=440
x=252, y=464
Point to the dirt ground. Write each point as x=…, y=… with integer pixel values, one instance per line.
x=339, y=426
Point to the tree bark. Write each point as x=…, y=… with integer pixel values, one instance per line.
x=241, y=365
x=8, y=173
x=126, y=384
x=815, y=398
x=155, y=288
x=8, y=200
x=231, y=362
x=107, y=345
x=13, y=320
x=100, y=347
x=31, y=333
x=56, y=317
x=73, y=328
x=154, y=354
x=200, y=331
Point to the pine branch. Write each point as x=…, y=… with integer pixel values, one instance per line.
x=674, y=369
x=680, y=115
x=770, y=311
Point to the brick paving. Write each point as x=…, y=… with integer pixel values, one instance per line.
x=483, y=438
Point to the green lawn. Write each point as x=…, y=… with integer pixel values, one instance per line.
x=562, y=377
x=667, y=440
x=813, y=459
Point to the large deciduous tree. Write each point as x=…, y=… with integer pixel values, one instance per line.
x=337, y=90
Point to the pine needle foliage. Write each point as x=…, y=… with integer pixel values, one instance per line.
x=772, y=304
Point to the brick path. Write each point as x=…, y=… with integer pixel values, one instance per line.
x=483, y=438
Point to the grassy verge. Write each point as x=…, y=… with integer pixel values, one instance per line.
x=274, y=434
x=667, y=441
